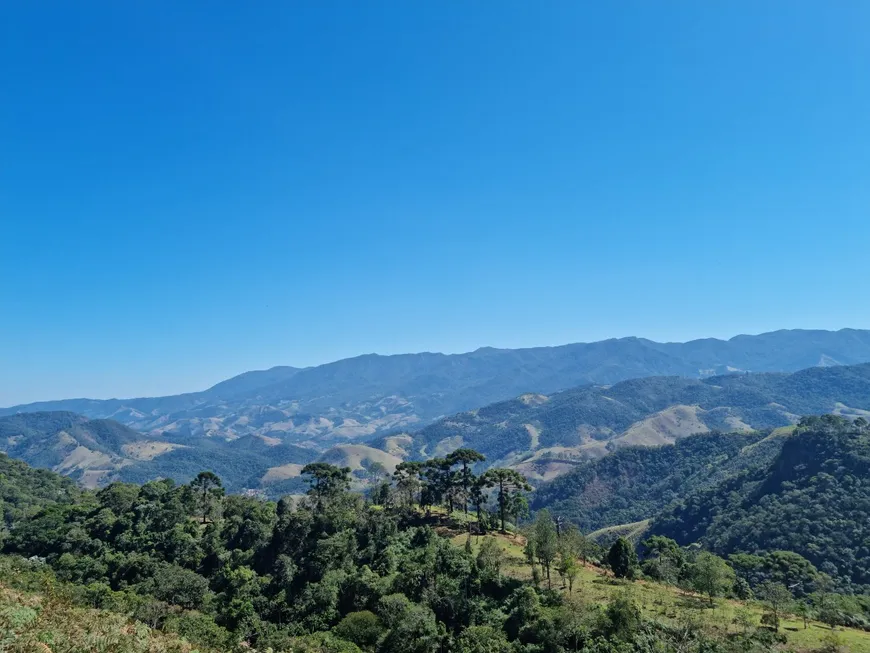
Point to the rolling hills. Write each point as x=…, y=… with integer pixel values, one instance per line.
x=545, y=436
x=98, y=451
x=359, y=398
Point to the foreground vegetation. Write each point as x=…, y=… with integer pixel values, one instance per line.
x=32, y=622
x=679, y=606
x=430, y=562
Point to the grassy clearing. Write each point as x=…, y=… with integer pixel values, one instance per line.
x=671, y=604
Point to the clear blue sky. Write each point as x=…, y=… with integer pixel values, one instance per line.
x=191, y=190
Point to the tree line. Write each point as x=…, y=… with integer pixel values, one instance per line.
x=451, y=483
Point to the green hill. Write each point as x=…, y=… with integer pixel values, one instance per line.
x=636, y=483
x=332, y=573
x=813, y=499
x=25, y=490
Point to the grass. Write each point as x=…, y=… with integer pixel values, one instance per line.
x=34, y=623
x=670, y=604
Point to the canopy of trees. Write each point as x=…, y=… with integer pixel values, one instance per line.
x=327, y=572
x=813, y=500
x=635, y=483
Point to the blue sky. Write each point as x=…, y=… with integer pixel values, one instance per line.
x=191, y=190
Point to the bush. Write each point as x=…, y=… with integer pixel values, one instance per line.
x=180, y=586
x=623, y=617
x=482, y=639
x=199, y=628
x=322, y=643
x=362, y=628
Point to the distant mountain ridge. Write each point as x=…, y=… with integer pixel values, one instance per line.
x=543, y=436
x=358, y=398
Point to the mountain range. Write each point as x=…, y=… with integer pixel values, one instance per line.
x=355, y=399
x=543, y=436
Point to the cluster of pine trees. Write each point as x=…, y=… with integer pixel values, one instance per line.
x=450, y=482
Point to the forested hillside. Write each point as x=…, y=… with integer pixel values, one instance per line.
x=25, y=490
x=814, y=499
x=636, y=483
x=397, y=573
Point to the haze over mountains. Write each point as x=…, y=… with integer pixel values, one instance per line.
x=358, y=398
x=258, y=429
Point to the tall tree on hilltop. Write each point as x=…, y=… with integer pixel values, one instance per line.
x=407, y=477
x=509, y=483
x=441, y=483
x=208, y=489
x=326, y=481
x=465, y=457
x=478, y=497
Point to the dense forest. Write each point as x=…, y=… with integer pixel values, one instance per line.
x=24, y=491
x=814, y=500
x=636, y=483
